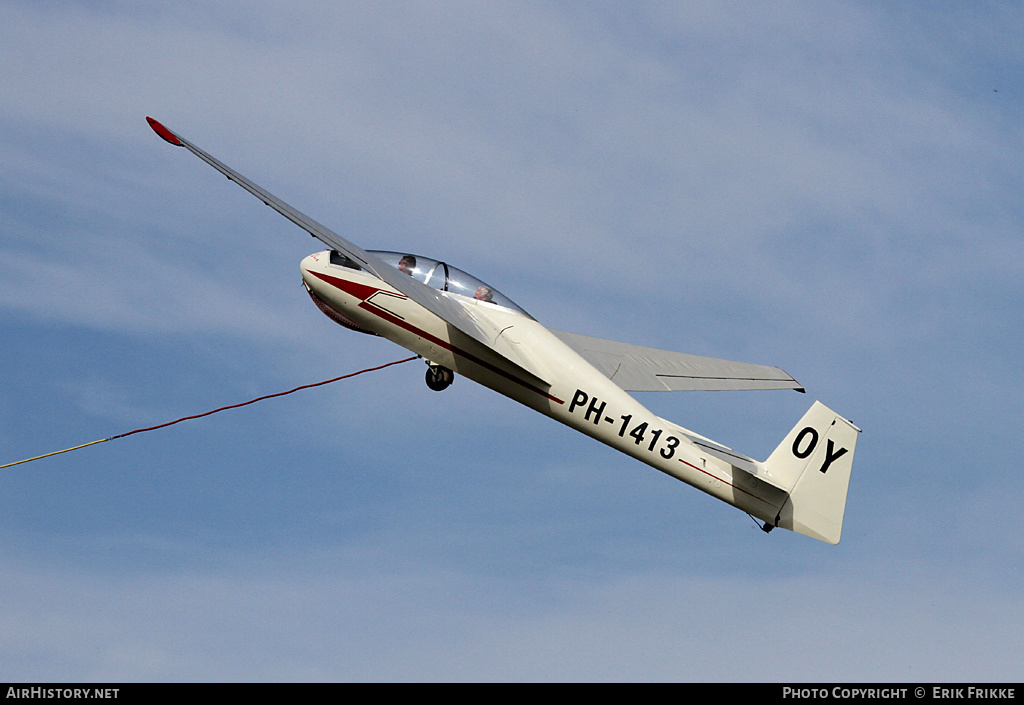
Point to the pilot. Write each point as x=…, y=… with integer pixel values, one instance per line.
x=483, y=293
x=407, y=264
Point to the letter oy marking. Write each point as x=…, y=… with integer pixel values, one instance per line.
x=810, y=447
x=831, y=454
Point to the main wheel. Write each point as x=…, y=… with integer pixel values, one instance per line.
x=439, y=378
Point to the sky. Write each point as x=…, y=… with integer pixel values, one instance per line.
x=833, y=188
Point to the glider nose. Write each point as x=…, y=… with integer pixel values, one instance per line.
x=307, y=265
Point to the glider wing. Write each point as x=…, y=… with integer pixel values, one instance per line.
x=452, y=312
x=640, y=369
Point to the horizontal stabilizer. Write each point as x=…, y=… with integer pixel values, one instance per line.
x=736, y=459
x=636, y=368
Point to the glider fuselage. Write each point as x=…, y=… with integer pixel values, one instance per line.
x=458, y=323
x=578, y=396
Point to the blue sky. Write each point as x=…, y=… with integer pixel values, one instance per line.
x=834, y=188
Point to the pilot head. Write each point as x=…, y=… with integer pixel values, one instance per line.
x=407, y=264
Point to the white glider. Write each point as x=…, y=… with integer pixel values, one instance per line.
x=459, y=324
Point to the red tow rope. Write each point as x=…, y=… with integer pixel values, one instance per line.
x=207, y=413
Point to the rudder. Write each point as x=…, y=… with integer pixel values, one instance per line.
x=814, y=461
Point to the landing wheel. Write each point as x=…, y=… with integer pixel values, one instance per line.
x=439, y=378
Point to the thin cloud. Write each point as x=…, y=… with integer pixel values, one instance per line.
x=831, y=188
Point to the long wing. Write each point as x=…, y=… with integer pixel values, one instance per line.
x=456, y=315
x=639, y=369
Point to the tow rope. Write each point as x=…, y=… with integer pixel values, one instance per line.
x=208, y=413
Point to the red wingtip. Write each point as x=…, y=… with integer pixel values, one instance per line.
x=163, y=132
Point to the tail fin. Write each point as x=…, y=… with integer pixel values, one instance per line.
x=815, y=461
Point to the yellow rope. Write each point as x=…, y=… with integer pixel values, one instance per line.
x=56, y=452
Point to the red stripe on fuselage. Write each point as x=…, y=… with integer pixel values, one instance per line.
x=364, y=291
x=360, y=291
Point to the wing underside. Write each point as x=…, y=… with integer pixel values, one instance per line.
x=636, y=368
x=452, y=312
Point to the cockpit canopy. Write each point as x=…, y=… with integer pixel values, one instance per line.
x=444, y=277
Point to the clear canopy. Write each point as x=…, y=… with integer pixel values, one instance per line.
x=444, y=277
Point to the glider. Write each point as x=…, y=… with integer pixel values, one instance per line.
x=459, y=324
